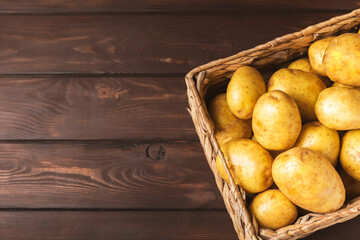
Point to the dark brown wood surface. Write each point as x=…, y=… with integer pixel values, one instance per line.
x=130, y=225
x=168, y=5
x=93, y=108
x=136, y=44
x=95, y=140
x=106, y=174
x=124, y=225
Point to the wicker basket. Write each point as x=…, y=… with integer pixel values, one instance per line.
x=203, y=80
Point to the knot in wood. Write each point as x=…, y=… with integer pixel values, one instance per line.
x=104, y=93
x=155, y=152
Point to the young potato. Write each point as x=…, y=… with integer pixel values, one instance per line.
x=351, y=185
x=276, y=121
x=316, y=54
x=304, y=65
x=345, y=86
x=350, y=153
x=273, y=153
x=244, y=89
x=303, y=87
x=339, y=108
x=249, y=163
x=272, y=209
x=319, y=138
x=227, y=126
x=308, y=179
x=342, y=59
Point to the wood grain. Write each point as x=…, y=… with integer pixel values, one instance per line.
x=94, y=108
x=168, y=5
x=136, y=225
x=141, y=44
x=123, y=225
x=108, y=174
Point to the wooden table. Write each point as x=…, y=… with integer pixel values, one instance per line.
x=95, y=139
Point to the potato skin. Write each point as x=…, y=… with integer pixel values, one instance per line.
x=316, y=54
x=303, y=87
x=342, y=59
x=301, y=64
x=304, y=65
x=343, y=85
x=351, y=185
x=339, y=108
x=276, y=121
x=227, y=125
x=244, y=89
x=350, y=153
x=309, y=180
x=249, y=163
x=272, y=209
x=319, y=138
x=273, y=153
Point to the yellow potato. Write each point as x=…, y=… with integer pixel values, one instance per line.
x=319, y=138
x=342, y=59
x=273, y=210
x=339, y=108
x=244, y=89
x=316, y=55
x=304, y=65
x=249, y=163
x=227, y=126
x=345, y=86
x=303, y=87
x=273, y=153
x=351, y=185
x=276, y=121
x=309, y=180
x=350, y=153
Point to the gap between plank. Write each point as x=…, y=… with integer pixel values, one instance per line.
x=159, y=11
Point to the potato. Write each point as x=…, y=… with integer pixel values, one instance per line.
x=304, y=65
x=309, y=180
x=273, y=210
x=244, y=89
x=303, y=87
x=351, y=185
x=273, y=153
x=227, y=126
x=276, y=121
x=319, y=138
x=342, y=59
x=343, y=85
x=316, y=54
x=350, y=153
x=339, y=108
x=249, y=163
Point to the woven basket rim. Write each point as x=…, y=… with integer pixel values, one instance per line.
x=248, y=228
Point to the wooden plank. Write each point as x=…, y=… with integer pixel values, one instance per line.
x=168, y=5
x=147, y=43
x=94, y=108
x=137, y=225
x=173, y=175
x=127, y=225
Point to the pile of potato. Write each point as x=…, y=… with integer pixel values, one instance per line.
x=295, y=124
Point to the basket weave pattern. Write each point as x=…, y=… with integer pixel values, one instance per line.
x=277, y=51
